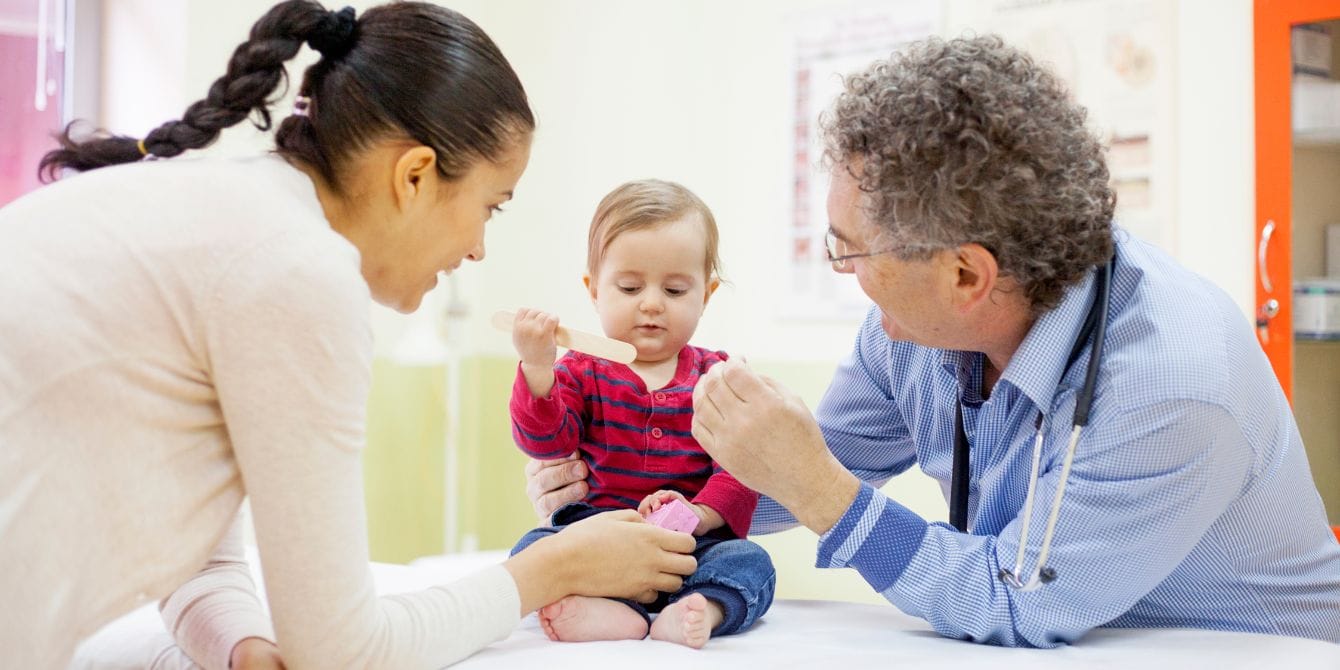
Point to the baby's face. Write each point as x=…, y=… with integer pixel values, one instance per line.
x=652, y=287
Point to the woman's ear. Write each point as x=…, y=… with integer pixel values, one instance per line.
x=412, y=176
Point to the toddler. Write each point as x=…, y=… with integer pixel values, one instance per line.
x=652, y=265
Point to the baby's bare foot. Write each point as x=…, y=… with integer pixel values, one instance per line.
x=584, y=619
x=689, y=621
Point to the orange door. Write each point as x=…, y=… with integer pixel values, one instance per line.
x=1274, y=173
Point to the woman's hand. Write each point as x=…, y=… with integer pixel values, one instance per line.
x=613, y=554
x=255, y=653
x=553, y=484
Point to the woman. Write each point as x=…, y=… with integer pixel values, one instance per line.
x=176, y=335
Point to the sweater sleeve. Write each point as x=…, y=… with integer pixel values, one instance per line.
x=290, y=347
x=549, y=427
x=218, y=607
x=734, y=501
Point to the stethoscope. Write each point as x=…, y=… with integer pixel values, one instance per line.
x=1095, y=326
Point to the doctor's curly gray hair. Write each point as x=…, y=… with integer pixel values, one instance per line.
x=971, y=141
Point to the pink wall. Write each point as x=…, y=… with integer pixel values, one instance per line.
x=25, y=132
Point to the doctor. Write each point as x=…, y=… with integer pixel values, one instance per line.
x=973, y=208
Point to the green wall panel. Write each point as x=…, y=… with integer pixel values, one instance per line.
x=494, y=509
x=403, y=463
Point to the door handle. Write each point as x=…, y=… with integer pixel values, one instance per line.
x=1267, y=232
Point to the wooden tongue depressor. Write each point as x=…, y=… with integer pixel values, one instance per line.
x=596, y=345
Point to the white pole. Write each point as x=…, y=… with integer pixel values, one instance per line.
x=454, y=319
x=40, y=92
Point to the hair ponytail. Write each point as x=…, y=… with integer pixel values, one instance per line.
x=410, y=70
x=254, y=72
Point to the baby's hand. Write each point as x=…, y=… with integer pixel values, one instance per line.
x=707, y=518
x=533, y=335
x=654, y=501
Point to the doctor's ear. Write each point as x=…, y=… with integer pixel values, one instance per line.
x=975, y=273
x=414, y=174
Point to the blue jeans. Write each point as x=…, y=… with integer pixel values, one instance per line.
x=736, y=574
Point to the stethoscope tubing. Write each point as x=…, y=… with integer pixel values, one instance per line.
x=1097, y=320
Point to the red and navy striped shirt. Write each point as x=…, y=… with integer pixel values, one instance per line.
x=634, y=441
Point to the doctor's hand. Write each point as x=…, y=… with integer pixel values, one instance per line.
x=762, y=433
x=553, y=484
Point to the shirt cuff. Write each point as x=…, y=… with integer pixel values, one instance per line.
x=732, y=500
x=876, y=535
x=492, y=601
x=215, y=624
x=538, y=419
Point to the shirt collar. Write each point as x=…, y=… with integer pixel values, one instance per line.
x=1037, y=366
x=966, y=369
x=961, y=365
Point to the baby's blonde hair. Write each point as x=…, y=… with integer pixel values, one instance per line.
x=647, y=203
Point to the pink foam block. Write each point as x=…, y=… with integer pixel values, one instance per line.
x=675, y=515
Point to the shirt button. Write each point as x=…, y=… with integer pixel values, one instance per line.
x=660, y=397
x=656, y=433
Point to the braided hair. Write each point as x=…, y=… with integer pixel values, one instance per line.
x=409, y=69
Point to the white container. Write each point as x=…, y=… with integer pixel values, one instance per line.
x=1316, y=104
x=1316, y=309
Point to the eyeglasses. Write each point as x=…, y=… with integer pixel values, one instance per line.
x=837, y=250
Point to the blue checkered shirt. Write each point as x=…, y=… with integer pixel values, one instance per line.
x=1190, y=502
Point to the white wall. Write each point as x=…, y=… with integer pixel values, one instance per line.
x=1216, y=150
x=143, y=66
x=695, y=91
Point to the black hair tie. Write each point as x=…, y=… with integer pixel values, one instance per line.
x=333, y=36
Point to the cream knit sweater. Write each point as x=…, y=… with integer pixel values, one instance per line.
x=176, y=335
